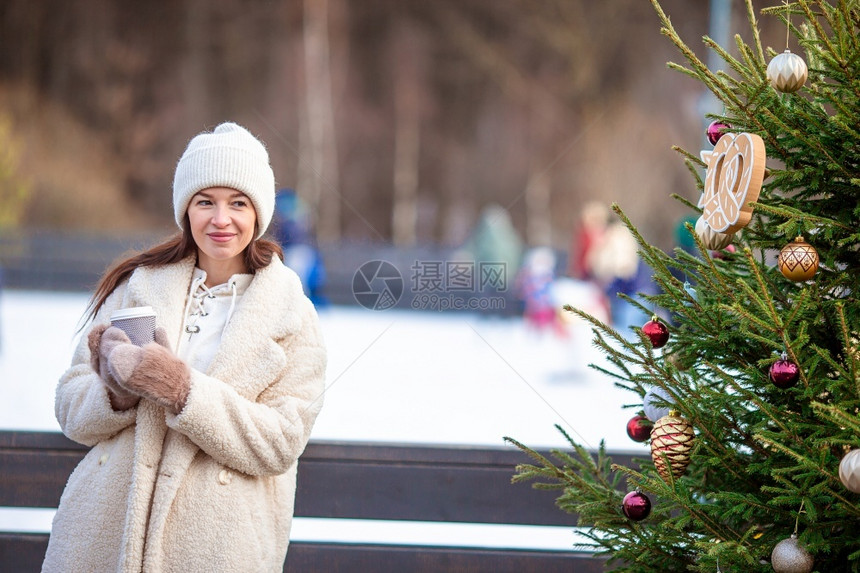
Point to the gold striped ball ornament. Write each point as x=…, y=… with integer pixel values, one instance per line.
x=672, y=440
x=849, y=470
x=787, y=72
x=798, y=260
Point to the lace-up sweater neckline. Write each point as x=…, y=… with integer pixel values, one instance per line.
x=207, y=313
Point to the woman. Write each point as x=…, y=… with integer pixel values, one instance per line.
x=195, y=436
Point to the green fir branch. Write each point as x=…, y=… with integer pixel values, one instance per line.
x=702, y=73
x=821, y=36
x=840, y=418
x=795, y=214
x=742, y=70
x=753, y=25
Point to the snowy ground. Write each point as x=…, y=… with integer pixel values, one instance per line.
x=393, y=376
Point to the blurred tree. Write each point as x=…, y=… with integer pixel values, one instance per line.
x=324, y=196
x=528, y=104
x=409, y=71
x=15, y=190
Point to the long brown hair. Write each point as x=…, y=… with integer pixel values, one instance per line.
x=258, y=254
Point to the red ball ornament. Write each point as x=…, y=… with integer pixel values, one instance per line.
x=716, y=130
x=639, y=428
x=784, y=373
x=636, y=505
x=657, y=332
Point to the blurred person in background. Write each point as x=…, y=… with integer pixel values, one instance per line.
x=494, y=241
x=293, y=231
x=195, y=437
x=535, y=282
x=1, y=318
x=593, y=221
x=614, y=261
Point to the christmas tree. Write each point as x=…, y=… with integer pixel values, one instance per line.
x=751, y=375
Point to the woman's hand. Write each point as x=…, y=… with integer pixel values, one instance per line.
x=102, y=340
x=152, y=371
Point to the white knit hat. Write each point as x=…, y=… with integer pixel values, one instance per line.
x=228, y=157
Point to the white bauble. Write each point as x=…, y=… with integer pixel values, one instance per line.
x=849, y=470
x=787, y=72
x=653, y=411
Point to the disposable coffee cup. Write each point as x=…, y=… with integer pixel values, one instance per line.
x=138, y=323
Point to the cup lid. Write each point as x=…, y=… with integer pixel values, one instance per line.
x=134, y=312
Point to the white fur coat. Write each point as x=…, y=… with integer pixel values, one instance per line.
x=212, y=488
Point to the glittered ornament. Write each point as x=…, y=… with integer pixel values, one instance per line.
x=639, y=428
x=636, y=505
x=715, y=131
x=784, y=373
x=798, y=260
x=712, y=240
x=849, y=470
x=671, y=441
x=787, y=72
x=653, y=411
x=790, y=556
x=657, y=332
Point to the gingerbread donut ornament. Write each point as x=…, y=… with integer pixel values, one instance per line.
x=735, y=173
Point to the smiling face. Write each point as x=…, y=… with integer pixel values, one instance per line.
x=222, y=222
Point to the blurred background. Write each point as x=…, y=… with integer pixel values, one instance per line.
x=413, y=137
x=412, y=143
x=396, y=122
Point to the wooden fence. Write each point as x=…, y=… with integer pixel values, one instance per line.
x=342, y=480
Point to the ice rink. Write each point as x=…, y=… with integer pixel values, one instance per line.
x=393, y=376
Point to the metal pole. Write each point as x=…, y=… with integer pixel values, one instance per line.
x=719, y=26
x=718, y=29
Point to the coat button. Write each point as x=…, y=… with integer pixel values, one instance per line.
x=103, y=459
x=225, y=477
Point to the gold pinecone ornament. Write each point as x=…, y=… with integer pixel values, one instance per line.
x=671, y=442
